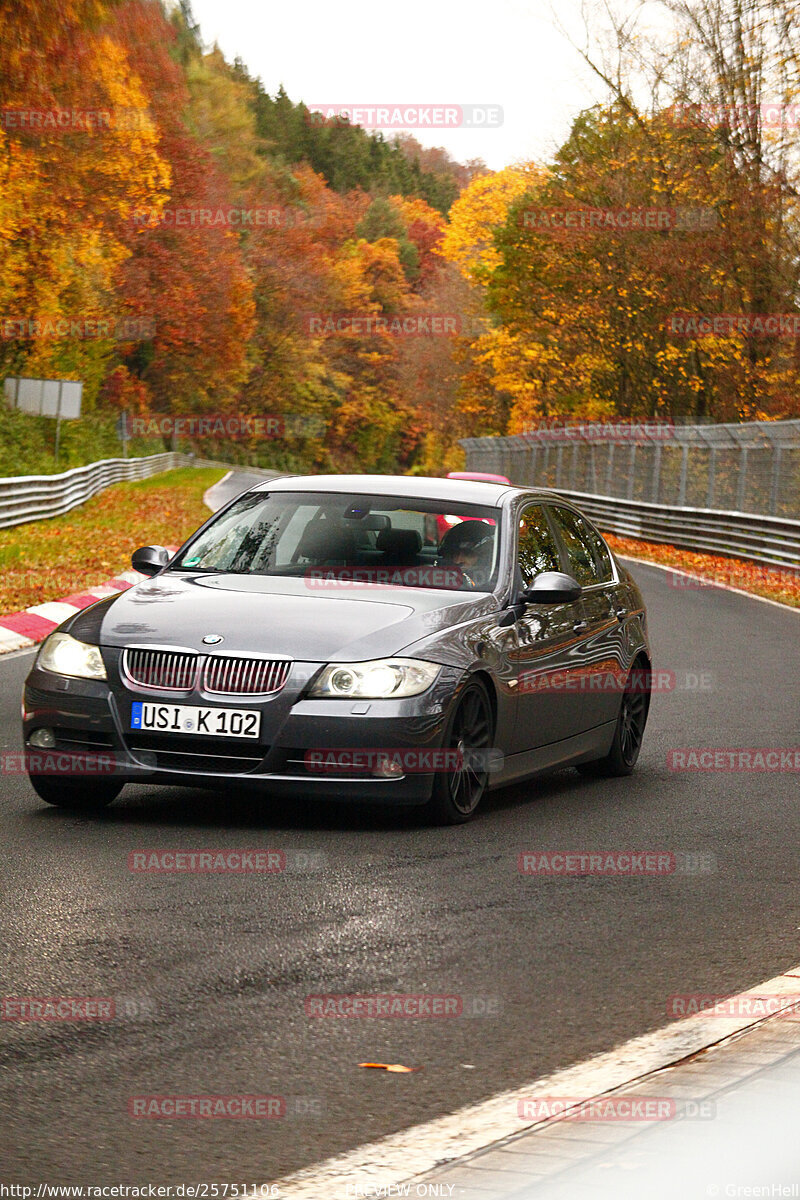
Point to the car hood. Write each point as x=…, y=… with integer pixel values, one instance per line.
x=276, y=616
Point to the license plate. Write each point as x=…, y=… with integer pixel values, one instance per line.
x=191, y=719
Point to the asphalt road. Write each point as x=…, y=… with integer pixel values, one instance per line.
x=215, y=968
x=232, y=485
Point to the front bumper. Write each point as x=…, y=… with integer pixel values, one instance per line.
x=93, y=718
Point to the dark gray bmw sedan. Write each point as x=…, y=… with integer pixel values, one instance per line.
x=365, y=638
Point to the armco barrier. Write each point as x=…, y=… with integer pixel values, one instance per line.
x=764, y=539
x=750, y=467
x=36, y=497
x=770, y=540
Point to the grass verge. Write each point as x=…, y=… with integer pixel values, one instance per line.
x=46, y=560
x=774, y=583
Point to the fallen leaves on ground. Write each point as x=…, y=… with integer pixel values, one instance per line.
x=396, y=1067
x=775, y=583
x=45, y=560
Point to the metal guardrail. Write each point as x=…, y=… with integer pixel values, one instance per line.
x=191, y=461
x=751, y=467
x=36, y=497
x=718, y=489
x=26, y=498
x=772, y=541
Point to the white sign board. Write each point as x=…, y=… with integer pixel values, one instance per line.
x=45, y=397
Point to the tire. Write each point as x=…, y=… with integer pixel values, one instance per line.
x=90, y=795
x=457, y=794
x=621, y=758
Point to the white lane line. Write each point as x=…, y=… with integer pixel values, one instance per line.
x=708, y=583
x=54, y=610
x=403, y=1157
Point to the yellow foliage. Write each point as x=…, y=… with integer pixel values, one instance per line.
x=481, y=209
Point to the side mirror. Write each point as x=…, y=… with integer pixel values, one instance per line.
x=149, y=560
x=552, y=587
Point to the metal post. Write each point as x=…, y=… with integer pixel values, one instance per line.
x=631, y=470
x=58, y=418
x=775, y=485
x=593, y=467
x=610, y=468
x=684, y=473
x=742, y=479
x=546, y=468
x=656, y=484
x=712, y=477
x=534, y=466
x=574, y=468
x=559, y=464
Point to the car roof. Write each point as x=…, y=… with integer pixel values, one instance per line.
x=417, y=487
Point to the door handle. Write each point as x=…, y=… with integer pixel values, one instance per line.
x=620, y=613
x=580, y=626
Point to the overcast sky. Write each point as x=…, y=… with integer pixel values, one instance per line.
x=506, y=53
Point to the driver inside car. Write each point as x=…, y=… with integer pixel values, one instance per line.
x=469, y=547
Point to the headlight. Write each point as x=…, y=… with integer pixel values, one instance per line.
x=382, y=679
x=65, y=655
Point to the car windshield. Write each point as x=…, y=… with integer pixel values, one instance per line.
x=333, y=538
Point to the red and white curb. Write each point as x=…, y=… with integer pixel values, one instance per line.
x=20, y=630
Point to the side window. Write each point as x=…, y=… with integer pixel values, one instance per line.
x=601, y=554
x=537, y=550
x=589, y=560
